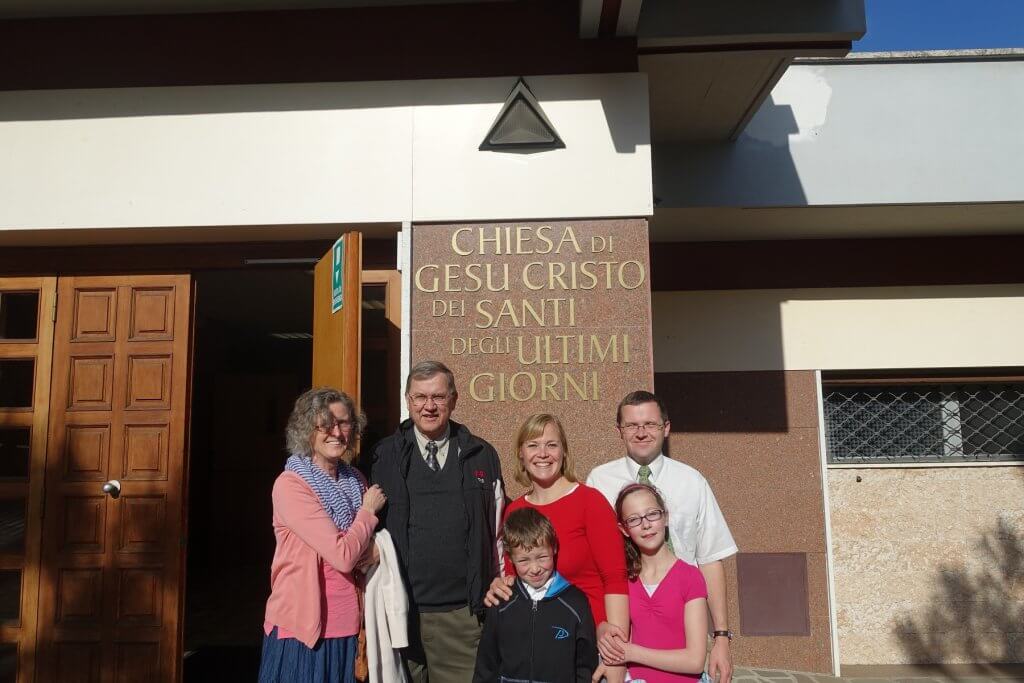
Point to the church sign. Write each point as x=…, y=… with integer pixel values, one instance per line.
x=537, y=317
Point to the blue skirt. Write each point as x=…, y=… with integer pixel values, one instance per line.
x=286, y=660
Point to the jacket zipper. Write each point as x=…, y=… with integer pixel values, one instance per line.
x=533, y=636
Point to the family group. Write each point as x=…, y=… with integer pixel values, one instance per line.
x=427, y=573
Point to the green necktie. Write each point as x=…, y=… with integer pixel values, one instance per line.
x=644, y=477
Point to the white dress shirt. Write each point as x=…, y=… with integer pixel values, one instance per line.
x=696, y=525
x=442, y=445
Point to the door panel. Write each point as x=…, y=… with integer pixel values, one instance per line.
x=26, y=345
x=381, y=350
x=336, y=336
x=111, y=569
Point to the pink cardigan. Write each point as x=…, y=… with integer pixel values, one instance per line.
x=305, y=534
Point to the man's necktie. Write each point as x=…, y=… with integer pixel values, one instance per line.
x=432, y=456
x=644, y=477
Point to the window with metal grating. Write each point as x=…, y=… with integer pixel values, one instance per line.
x=947, y=422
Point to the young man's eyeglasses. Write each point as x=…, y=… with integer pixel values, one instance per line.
x=420, y=400
x=636, y=520
x=329, y=427
x=633, y=427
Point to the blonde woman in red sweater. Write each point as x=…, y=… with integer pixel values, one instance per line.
x=590, y=548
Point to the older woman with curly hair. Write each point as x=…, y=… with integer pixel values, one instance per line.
x=324, y=517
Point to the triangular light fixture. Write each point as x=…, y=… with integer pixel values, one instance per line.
x=521, y=124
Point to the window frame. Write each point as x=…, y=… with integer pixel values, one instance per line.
x=926, y=377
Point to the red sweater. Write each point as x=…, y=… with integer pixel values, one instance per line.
x=591, y=554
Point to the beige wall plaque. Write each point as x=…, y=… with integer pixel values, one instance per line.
x=537, y=317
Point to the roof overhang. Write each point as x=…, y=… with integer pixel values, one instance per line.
x=711, y=63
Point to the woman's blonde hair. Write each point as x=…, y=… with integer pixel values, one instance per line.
x=531, y=429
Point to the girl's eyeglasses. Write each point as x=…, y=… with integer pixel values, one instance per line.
x=636, y=520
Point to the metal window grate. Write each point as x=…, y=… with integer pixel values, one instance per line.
x=924, y=423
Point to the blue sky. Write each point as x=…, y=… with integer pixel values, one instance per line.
x=942, y=25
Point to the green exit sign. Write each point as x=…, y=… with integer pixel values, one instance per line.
x=337, y=274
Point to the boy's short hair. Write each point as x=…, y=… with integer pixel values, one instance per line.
x=527, y=529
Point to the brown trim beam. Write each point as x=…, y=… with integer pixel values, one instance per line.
x=785, y=264
x=846, y=378
x=379, y=254
x=468, y=40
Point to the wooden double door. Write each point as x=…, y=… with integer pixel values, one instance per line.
x=94, y=395
x=94, y=375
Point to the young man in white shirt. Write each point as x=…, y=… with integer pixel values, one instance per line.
x=697, y=529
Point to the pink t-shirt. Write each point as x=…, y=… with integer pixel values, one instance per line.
x=307, y=590
x=657, y=620
x=339, y=600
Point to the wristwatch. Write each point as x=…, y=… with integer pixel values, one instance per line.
x=727, y=634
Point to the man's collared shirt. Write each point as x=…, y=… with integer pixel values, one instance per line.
x=696, y=524
x=442, y=445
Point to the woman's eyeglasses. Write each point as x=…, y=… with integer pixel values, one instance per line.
x=636, y=520
x=329, y=427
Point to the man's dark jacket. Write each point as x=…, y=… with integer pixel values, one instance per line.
x=551, y=640
x=481, y=482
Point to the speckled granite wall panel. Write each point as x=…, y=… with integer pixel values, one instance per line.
x=537, y=317
x=754, y=435
x=929, y=564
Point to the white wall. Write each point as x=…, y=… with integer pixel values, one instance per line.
x=317, y=153
x=830, y=329
x=865, y=133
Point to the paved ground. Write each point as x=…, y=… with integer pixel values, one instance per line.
x=743, y=675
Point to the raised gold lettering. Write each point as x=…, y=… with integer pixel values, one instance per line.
x=547, y=384
x=451, y=272
x=542, y=236
x=526, y=276
x=531, y=383
x=522, y=238
x=433, y=281
x=568, y=235
x=481, y=309
x=640, y=274
x=488, y=389
x=455, y=242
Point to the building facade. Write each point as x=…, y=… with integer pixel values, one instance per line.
x=812, y=257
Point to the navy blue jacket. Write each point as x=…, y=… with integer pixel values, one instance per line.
x=481, y=483
x=551, y=640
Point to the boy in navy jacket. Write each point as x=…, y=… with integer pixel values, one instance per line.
x=545, y=632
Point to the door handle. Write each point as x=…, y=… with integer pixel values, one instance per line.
x=112, y=488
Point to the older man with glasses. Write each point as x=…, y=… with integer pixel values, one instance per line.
x=698, y=533
x=445, y=495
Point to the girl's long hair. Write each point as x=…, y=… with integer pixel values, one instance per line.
x=632, y=552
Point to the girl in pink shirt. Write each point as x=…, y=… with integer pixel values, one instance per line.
x=667, y=597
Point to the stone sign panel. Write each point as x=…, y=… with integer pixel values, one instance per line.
x=537, y=317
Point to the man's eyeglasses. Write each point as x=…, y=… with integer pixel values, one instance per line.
x=636, y=520
x=633, y=428
x=329, y=427
x=420, y=400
